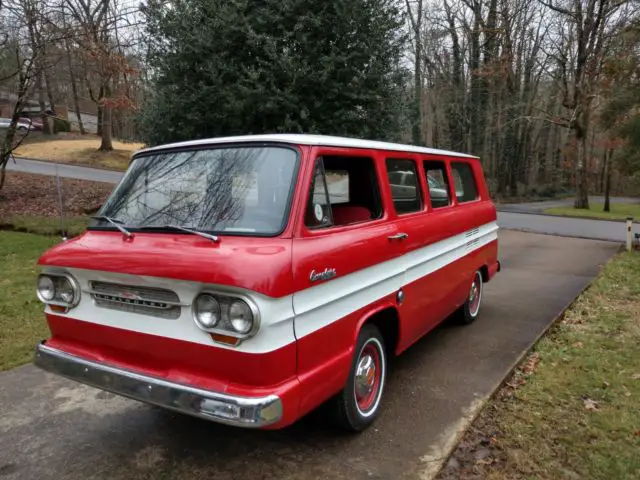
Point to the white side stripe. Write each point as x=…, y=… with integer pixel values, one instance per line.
x=303, y=312
x=321, y=305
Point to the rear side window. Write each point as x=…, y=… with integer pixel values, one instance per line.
x=405, y=189
x=438, y=183
x=465, y=183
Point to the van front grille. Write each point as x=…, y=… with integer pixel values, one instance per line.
x=156, y=302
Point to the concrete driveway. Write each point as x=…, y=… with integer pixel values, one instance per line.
x=51, y=428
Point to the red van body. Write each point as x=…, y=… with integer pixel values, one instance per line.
x=362, y=266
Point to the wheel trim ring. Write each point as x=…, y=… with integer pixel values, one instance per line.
x=475, y=294
x=368, y=404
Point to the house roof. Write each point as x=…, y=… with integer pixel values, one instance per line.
x=315, y=140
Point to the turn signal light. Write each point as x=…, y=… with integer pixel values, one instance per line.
x=58, y=308
x=225, y=339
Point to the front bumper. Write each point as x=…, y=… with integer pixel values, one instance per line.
x=228, y=409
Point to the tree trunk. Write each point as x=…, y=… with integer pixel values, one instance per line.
x=417, y=99
x=582, y=179
x=106, y=145
x=603, y=172
x=99, y=104
x=416, y=26
x=476, y=127
x=46, y=126
x=99, y=122
x=74, y=87
x=47, y=84
x=8, y=144
x=607, y=180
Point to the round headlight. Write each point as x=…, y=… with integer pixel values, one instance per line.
x=65, y=290
x=207, y=311
x=46, y=288
x=241, y=317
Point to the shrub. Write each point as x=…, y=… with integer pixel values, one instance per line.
x=61, y=125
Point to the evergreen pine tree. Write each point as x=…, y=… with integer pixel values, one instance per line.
x=230, y=67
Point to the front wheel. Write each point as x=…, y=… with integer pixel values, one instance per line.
x=468, y=313
x=357, y=405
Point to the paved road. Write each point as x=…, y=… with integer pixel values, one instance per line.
x=69, y=171
x=51, y=428
x=540, y=207
x=566, y=227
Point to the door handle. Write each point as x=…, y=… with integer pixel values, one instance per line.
x=398, y=236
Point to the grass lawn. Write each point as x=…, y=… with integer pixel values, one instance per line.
x=619, y=211
x=22, y=322
x=46, y=225
x=572, y=409
x=78, y=150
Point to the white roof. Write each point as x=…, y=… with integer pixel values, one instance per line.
x=318, y=140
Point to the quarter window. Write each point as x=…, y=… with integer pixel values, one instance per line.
x=438, y=183
x=319, y=209
x=405, y=188
x=466, y=190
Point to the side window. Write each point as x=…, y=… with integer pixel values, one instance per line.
x=465, y=183
x=438, y=183
x=338, y=185
x=344, y=191
x=318, y=212
x=405, y=188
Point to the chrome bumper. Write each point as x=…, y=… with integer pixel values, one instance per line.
x=231, y=410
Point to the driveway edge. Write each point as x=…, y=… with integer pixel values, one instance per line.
x=543, y=214
x=436, y=460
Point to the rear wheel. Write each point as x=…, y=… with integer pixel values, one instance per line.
x=468, y=313
x=357, y=405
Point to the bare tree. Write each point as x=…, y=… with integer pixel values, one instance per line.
x=96, y=23
x=23, y=47
x=415, y=26
x=582, y=30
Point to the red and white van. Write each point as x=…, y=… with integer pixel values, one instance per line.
x=247, y=280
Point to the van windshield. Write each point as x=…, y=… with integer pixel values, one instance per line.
x=244, y=190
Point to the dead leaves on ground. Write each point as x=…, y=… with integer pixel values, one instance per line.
x=590, y=405
x=519, y=377
x=36, y=195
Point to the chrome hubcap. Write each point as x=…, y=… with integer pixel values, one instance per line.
x=365, y=376
x=474, y=291
x=475, y=295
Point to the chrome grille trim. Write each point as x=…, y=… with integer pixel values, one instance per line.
x=156, y=302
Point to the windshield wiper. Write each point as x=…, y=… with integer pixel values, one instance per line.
x=116, y=223
x=213, y=238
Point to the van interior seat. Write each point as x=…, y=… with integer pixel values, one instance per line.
x=346, y=214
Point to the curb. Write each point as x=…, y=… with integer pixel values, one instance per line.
x=524, y=230
x=542, y=214
x=480, y=404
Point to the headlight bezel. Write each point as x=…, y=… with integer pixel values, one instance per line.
x=56, y=277
x=224, y=327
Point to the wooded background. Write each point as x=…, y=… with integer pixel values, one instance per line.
x=546, y=92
